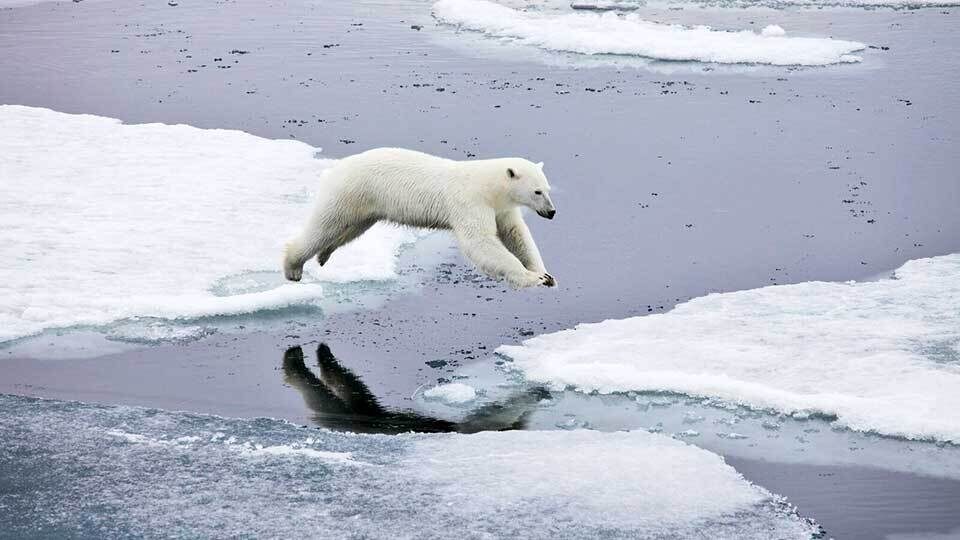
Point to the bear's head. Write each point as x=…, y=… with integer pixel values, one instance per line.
x=528, y=186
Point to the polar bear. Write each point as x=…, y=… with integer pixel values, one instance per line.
x=480, y=201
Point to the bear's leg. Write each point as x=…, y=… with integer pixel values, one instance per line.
x=321, y=238
x=482, y=246
x=294, y=255
x=514, y=234
x=347, y=235
x=320, y=232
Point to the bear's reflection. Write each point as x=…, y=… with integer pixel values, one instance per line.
x=341, y=401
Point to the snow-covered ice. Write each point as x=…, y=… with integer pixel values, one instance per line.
x=102, y=221
x=452, y=393
x=130, y=472
x=881, y=356
x=608, y=33
x=773, y=30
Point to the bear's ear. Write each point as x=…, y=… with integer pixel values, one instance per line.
x=540, y=165
x=511, y=173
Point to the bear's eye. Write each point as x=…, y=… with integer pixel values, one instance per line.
x=538, y=192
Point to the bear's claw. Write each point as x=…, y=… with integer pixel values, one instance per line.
x=293, y=274
x=548, y=280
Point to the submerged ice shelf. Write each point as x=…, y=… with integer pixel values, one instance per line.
x=505, y=397
x=610, y=34
x=451, y=393
x=130, y=472
x=878, y=356
x=103, y=221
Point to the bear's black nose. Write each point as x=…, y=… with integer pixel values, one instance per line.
x=549, y=214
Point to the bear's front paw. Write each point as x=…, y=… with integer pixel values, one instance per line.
x=292, y=265
x=293, y=273
x=534, y=279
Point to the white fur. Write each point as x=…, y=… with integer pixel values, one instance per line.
x=478, y=200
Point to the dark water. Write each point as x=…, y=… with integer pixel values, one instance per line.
x=671, y=182
x=863, y=502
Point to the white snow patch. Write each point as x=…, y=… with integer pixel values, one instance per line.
x=101, y=221
x=246, y=448
x=773, y=30
x=680, y=483
x=132, y=437
x=296, y=451
x=608, y=33
x=453, y=393
x=881, y=356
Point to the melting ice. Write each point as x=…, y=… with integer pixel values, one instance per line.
x=504, y=397
x=102, y=221
x=130, y=472
x=879, y=356
x=608, y=33
x=451, y=393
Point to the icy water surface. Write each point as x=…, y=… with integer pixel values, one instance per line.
x=74, y=470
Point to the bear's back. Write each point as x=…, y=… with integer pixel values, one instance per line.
x=398, y=158
x=401, y=185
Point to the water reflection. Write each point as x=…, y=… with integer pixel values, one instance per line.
x=341, y=401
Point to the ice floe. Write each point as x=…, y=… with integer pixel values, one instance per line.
x=609, y=33
x=880, y=356
x=130, y=472
x=505, y=398
x=102, y=221
x=452, y=393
